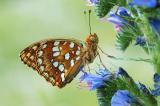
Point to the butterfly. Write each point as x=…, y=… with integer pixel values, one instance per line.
x=60, y=60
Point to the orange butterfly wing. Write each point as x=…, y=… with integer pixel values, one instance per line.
x=29, y=55
x=58, y=60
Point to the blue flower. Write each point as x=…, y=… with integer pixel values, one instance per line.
x=92, y=2
x=140, y=40
x=118, y=18
x=157, y=82
x=124, y=98
x=115, y=17
x=143, y=88
x=94, y=81
x=123, y=12
x=121, y=73
x=155, y=23
x=156, y=91
x=156, y=78
x=145, y=3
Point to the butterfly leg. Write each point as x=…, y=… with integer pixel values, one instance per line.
x=110, y=56
x=101, y=61
x=89, y=69
x=86, y=68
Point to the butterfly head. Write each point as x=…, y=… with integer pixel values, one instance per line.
x=92, y=39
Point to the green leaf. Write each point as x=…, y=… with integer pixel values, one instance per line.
x=104, y=95
x=121, y=3
x=104, y=6
x=156, y=57
x=126, y=35
x=124, y=38
x=101, y=96
x=126, y=82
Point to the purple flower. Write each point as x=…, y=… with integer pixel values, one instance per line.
x=145, y=3
x=155, y=23
x=94, y=81
x=140, y=40
x=124, y=98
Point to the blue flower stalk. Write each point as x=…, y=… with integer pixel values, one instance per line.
x=124, y=81
x=135, y=21
x=109, y=85
x=127, y=29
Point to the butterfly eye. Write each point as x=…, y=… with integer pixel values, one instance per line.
x=93, y=39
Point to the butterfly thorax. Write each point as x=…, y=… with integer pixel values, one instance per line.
x=91, y=51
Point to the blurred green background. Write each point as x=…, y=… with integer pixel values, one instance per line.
x=23, y=22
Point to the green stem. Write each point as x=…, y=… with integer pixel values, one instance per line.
x=101, y=94
x=146, y=29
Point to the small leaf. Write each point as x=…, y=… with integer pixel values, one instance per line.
x=126, y=35
x=104, y=95
x=104, y=6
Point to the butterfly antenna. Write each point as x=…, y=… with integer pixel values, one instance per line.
x=89, y=21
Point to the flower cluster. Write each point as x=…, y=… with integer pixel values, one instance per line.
x=117, y=17
x=136, y=22
x=93, y=82
x=117, y=89
x=127, y=19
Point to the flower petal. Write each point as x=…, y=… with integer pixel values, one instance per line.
x=94, y=81
x=124, y=98
x=145, y=3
